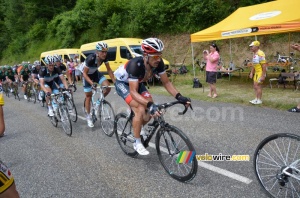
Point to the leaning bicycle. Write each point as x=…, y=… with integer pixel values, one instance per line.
x=170, y=142
x=277, y=165
x=102, y=109
x=61, y=112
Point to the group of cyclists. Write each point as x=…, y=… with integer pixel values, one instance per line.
x=128, y=80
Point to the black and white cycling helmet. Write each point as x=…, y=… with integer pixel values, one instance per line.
x=49, y=59
x=101, y=46
x=36, y=63
x=57, y=58
x=152, y=45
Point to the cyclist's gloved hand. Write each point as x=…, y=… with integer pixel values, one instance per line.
x=153, y=108
x=182, y=99
x=94, y=85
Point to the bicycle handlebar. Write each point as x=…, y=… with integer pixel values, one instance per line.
x=169, y=104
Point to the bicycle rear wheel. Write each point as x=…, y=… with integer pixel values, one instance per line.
x=72, y=109
x=15, y=90
x=65, y=120
x=170, y=142
x=277, y=165
x=124, y=134
x=107, y=118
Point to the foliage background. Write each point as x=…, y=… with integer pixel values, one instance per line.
x=29, y=27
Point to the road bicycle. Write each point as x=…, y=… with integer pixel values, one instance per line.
x=61, y=111
x=15, y=92
x=102, y=109
x=170, y=141
x=277, y=165
x=30, y=92
x=71, y=104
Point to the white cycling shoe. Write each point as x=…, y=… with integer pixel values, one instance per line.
x=90, y=122
x=50, y=112
x=140, y=149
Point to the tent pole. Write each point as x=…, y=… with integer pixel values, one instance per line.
x=255, y=38
x=193, y=60
x=230, y=51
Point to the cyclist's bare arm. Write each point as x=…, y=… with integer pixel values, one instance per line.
x=85, y=75
x=168, y=85
x=133, y=87
x=110, y=73
x=63, y=80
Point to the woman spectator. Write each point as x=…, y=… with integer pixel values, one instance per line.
x=212, y=59
x=71, y=66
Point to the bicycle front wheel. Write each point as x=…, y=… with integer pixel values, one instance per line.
x=65, y=120
x=72, y=109
x=107, y=118
x=170, y=145
x=124, y=134
x=277, y=165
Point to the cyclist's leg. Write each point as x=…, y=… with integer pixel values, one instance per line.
x=140, y=117
x=104, y=82
x=87, y=88
x=46, y=90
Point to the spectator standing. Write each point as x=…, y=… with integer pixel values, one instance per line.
x=212, y=58
x=258, y=71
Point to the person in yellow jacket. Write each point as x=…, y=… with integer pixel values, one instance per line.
x=2, y=125
x=7, y=183
x=258, y=71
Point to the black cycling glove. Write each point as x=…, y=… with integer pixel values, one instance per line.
x=152, y=108
x=182, y=99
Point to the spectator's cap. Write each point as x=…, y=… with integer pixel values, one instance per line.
x=255, y=43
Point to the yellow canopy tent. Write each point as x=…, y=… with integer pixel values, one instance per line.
x=266, y=18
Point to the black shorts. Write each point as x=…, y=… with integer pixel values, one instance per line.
x=211, y=77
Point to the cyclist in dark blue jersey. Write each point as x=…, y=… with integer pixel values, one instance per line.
x=129, y=85
x=50, y=78
x=92, y=76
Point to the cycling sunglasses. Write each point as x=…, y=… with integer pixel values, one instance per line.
x=155, y=56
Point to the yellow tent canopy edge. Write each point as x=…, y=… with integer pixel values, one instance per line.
x=267, y=18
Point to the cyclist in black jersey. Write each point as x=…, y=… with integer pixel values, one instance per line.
x=92, y=76
x=25, y=74
x=35, y=72
x=50, y=78
x=129, y=85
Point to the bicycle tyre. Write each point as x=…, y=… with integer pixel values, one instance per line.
x=17, y=97
x=72, y=109
x=65, y=120
x=124, y=135
x=176, y=137
x=107, y=118
x=28, y=93
x=53, y=120
x=33, y=94
x=270, y=168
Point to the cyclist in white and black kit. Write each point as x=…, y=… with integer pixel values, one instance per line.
x=92, y=77
x=129, y=85
x=50, y=78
